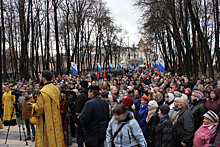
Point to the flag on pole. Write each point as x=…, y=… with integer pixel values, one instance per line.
x=74, y=68
x=111, y=66
x=99, y=67
x=157, y=64
x=161, y=65
x=153, y=64
x=120, y=66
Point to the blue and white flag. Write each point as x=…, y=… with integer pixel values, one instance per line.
x=74, y=68
x=161, y=65
x=153, y=64
x=99, y=67
x=120, y=66
x=157, y=64
x=111, y=66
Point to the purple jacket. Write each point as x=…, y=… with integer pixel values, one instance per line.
x=201, y=137
x=215, y=139
x=213, y=104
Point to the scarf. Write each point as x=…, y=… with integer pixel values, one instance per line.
x=150, y=114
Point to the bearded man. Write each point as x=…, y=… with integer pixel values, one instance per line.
x=46, y=113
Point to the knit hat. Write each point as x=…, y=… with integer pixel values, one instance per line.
x=145, y=98
x=199, y=81
x=189, y=90
x=130, y=88
x=128, y=101
x=199, y=95
x=84, y=84
x=164, y=109
x=153, y=104
x=211, y=116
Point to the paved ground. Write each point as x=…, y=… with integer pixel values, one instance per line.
x=14, y=138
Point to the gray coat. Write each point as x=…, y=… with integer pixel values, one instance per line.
x=185, y=127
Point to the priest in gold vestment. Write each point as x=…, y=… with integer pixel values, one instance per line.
x=8, y=100
x=46, y=114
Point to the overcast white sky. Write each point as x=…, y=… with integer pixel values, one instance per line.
x=126, y=15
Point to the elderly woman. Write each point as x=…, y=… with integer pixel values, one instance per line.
x=198, y=108
x=152, y=121
x=123, y=130
x=201, y=137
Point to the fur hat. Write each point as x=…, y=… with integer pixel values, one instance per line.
x=153, y=104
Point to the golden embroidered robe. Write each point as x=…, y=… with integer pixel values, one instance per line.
x=8, y=101
x=49, y=132
x=1, y=125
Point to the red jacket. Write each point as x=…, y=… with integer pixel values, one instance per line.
x=63, y=111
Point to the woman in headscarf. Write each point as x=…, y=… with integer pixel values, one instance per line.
x=198, y=108
x=158, y=97
x=122, y=94
x=213, y=102
x=169, y=100
x=207, y=91
x=152, y=121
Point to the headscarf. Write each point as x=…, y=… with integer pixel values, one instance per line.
x=199, y=95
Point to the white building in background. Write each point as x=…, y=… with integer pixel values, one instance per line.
x=137, y=55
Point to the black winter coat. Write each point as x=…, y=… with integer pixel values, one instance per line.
x=198, y=111
x=95, y=116
x=80, y=102
x=164, y=133
x=151, y=125
x=185, y=127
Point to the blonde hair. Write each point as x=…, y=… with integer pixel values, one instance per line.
x=201, y=87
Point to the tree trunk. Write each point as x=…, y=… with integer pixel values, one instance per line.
x=3, y=40
x=58, y=67
x=48, y=37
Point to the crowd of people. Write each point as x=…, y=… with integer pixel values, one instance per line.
x=143, y=107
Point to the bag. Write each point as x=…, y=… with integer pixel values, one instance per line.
x=116, y=133
x=91, y=140
x=34, y=120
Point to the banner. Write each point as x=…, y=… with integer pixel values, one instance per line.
x=99, y=67
x=74, y=68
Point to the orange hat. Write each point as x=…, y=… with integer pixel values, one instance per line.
x=145, y=98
